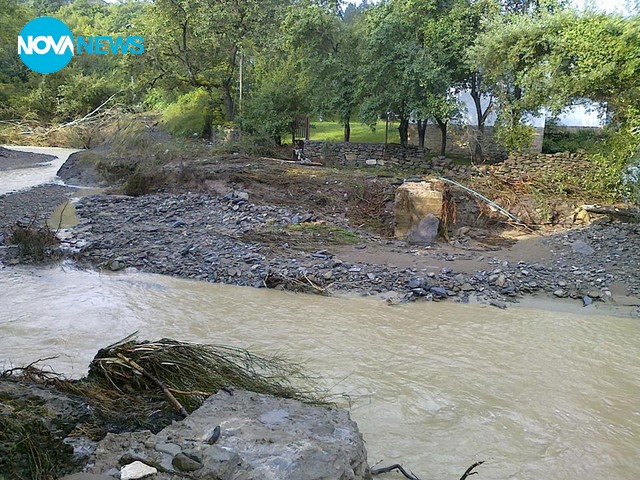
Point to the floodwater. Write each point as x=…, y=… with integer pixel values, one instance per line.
x=21, y=178
x=537, y=394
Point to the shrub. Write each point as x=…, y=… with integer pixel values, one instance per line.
x=34, y=243
x=557, y=139
x=191, y=115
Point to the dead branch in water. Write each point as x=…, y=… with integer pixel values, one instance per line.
x=411, y=476
x=470, y=471
x=397, y=466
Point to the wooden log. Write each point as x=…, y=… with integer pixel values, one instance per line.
x=626, y=213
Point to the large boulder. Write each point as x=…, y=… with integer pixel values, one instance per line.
x=418, y=208
x=259, y=437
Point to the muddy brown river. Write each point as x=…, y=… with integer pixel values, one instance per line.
x=538, y=394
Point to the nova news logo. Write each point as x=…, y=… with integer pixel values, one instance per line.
x=46, y=45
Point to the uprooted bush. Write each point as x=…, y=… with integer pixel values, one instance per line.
x=135, y=385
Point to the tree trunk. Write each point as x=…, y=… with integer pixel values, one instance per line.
x=403, y=129
x=228, y=99
x=476, y=94
x=422, y=131
x=443, y=136
x=479, y=133
x=347, y=129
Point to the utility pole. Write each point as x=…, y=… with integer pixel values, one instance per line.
x=241, y=79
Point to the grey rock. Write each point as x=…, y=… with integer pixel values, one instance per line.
x=509, y=289
x=86, y=476
x=185, y=463
x=136, y=470
x=582, y=248
x=467, y=287
x=560, y=293
x=168, y=448
x=242, y=196
x=417, y=283
x=587, y=300
x=116, y=265
x=498, y=304
x=426, y=232
x=265, y=437
x=439, y=292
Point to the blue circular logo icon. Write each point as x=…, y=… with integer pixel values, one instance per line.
x=45, y=45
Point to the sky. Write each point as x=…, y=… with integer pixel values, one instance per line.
x=610, y=6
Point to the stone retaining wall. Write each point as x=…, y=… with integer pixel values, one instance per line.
x=460, y=140
x=364, y=154
x=538, y=164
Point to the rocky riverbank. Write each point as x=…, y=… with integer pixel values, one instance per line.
x=239, y=434
x=228, y=239
x=255, y=237
x=206, y=411
x=33, y=206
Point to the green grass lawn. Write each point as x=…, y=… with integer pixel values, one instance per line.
x=334, y=132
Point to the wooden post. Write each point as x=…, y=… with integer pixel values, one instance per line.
x=386, y=130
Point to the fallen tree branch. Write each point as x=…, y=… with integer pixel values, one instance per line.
x=397, y=466
x=90, y=114
x=470, y=471
x=411, y=476
x=491, y=203
x=166, y=391
x=612, y=211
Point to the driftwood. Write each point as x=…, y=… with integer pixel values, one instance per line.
x=391, y=468
x=470, y=471
x=411, y=476
x=625, y=213
x=166, y=391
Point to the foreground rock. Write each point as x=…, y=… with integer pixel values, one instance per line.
x=259, y=437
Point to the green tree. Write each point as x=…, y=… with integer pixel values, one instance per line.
x=199, y=42
x=14, y=75
x=395, y=67
x=326, y=50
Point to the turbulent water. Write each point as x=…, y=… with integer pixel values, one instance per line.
x=537, y=394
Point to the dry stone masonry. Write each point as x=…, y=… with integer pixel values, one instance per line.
x=364, y=154
x=536, y=165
